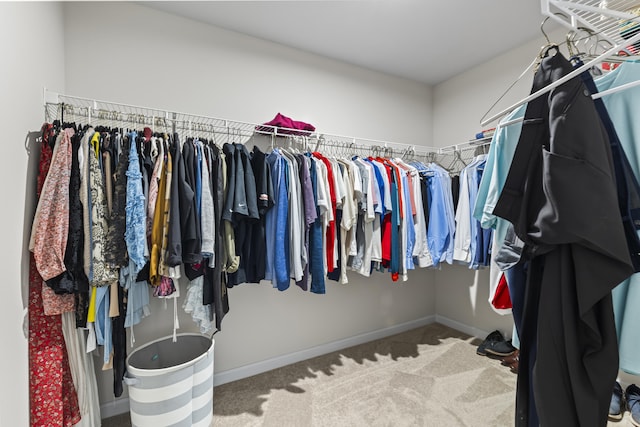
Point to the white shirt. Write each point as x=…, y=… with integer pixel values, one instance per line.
x=462, y=241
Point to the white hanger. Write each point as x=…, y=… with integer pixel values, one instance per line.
x=572, y=74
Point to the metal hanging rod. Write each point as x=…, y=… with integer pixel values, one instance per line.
x=134, y=114
x=93, y=105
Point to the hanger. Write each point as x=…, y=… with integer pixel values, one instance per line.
x=457, y=158
x=593, y=40
x=534, y=64
x=635, y=38
x=375, y=151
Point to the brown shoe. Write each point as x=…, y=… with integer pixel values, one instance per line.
x=509, y=360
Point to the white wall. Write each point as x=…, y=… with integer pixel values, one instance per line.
x=31, y=45
x=141, y=56
x=459, y=104
x=155, y=59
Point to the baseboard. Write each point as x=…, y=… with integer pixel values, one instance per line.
x=115, y=407
x=287, y=359
x=121, y=406
x=470, y=330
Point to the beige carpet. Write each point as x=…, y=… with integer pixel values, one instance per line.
x=430, y=376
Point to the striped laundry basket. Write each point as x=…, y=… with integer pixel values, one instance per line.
x=171, y=383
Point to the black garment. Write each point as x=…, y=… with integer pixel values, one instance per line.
x=241, y=208
x=190, y=231
x=245, y=204
x=560, y=196
x=455, y=191
x=337, y=271
x=215, y=176
x=189, y=218
x=116, y=247
x=174, y=236
x=256, y=264
x=73, y=279
x=215, y=288
x=424, y=191
x=119, y=339
x=626, y=182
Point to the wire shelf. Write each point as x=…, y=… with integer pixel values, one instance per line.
x=111, y=114
x=612, y=20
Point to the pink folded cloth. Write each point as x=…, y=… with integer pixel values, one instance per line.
x=282, y=121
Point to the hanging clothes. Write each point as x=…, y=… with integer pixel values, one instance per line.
x=53, y=400
x=135, y=224
x=622, y=107
x=317, y=254
x=573, y=265
x=441, y=231
x=277, y=229
x=310, y=214
x=295, y=216
x=499, y=158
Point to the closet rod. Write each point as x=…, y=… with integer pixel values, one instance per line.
x=567, y=5
x=51, y=97
x=594, y=96
x=572, y=74
x=55, y=98
x=616, y=89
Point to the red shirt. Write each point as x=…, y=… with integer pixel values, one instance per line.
x=331, y=230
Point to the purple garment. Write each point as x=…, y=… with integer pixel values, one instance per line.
x=310, y=214
x=289, y=126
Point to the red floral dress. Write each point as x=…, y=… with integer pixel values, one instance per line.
x=53, y=398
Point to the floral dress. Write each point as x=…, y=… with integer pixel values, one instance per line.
x=52, y=396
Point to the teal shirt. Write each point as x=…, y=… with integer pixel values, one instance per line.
x=503, y=146
x=624, y=110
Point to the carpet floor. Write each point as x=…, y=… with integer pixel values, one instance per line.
x=430, y=376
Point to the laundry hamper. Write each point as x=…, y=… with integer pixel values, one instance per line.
x=171, y=383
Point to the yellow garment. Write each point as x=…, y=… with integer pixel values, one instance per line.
x=158, y=222
x=91, y=314
x=95, y=144
x=163, y=268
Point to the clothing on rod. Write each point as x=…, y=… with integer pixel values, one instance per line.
x=140, y=210
x=551, y=191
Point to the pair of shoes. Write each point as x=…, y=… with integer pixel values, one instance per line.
x=616, y=407
x=632, y=398
x=495, y=336
x=511, y=359
x=632, y=395
x=500, y=348
x=491, y=339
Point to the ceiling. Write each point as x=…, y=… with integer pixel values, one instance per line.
x=427, y=41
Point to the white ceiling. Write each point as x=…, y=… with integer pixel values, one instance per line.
x=423, y=40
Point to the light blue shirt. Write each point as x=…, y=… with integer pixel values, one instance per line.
x=137, y=296
x=496, y=169
x=273, y=159
x=103, y=321
x=441, y=215
x=277, y=232
x=472, y=183
x=135, y=234
x=408, y=218
x=624, y=110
